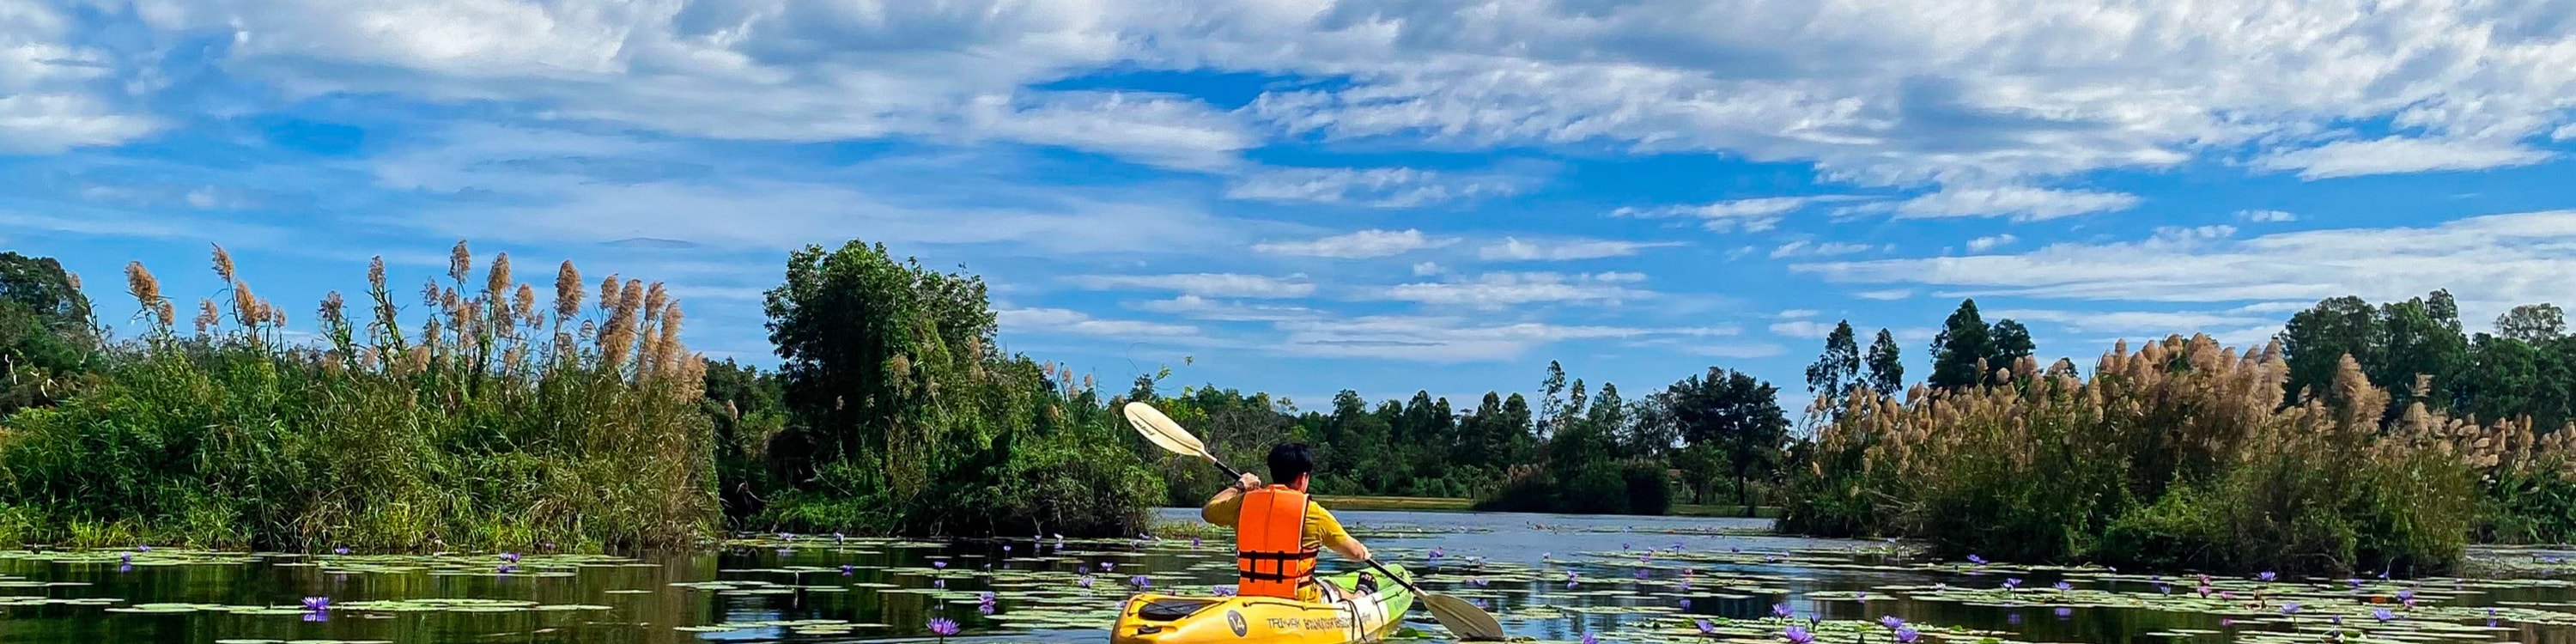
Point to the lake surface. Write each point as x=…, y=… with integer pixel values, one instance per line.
x=1548, y=577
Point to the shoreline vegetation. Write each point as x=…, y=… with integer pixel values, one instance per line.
x=487, y=418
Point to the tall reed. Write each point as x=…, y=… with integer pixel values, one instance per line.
x=490, y=426
x=2176, y=455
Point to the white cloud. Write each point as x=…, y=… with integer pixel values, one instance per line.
x=2156, y=323
x=2018, y=202
x=1078, y=323
x=1804, y=248
x=1205, y=284
x=55, y=94
x=1358, y=245
x=1760, y=350
x=2394, y=155
x=1201, y=308
x=1748, y=215
x=1442, y=339
x=2490, y=263
x=1991, y=242
x=1427, y=269
x=1998, y=92
x=1375, y=187
x=1801, y=329
x=1792, y=314
x=1500, y=290
x=1885, y=294
x=2266, y=216
x=1513, y=249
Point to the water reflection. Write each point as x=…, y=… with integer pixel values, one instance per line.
x=1632, y=579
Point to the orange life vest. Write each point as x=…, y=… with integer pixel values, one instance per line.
x=1270, y=556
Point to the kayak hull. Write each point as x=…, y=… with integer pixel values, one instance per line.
x=1345, y=615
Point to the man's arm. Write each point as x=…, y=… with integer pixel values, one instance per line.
x=1336, y=539
x=1219, y=510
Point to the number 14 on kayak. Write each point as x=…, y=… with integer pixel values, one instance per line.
x=1279, y=532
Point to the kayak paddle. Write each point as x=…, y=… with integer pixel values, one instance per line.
x=1463, y=619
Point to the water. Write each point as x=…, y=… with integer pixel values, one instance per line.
x=769, y=589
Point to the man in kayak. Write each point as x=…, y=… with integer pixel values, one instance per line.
x=1277, y=532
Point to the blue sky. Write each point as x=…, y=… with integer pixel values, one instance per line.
x=1305, y=196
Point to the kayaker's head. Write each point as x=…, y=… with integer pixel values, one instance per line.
x=1290, y=463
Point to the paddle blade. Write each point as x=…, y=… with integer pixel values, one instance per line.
x=1463, y=619
x=1164, y=433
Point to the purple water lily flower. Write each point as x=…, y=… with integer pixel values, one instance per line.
x=1436, y=552
x=1224, y=591
x=1106, y=566
x=943, y=626
x=2291, y=608
x=941, y=565
x=1006, y=548
x=125, y=567
x=1705, y=628
x=2383, y=614
x=2267, y=576
x=2406, y=595
x=1194, y=542
x=1891, y=621
x=511, y=557
x=1141, y=581
x=847, y=569
x=1974, y=559
x=984, y=608
x=1798, y=635
x=1084, y=581
x=1685, y=603
x=144, y=548
x=125, y=557
x=2012, y=583
x=2063, y=586
x=941, y=584
x=317, y=603
x=837, y=538
x=2064, y=612
x=1780, y=610
x=1906, y=634
x=342, y=550
x=1589, y=639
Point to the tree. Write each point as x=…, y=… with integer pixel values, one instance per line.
x=1964, y=341
x=2532, y=323
x=46, y=332
x=1737, y=415
x=2315, y=341
x=862, y=338
x=2423, y=339
x=1837, y=372
x=1886, y=366
x=2012, y=343
x=1551, y=401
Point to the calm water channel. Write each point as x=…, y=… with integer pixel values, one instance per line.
x=1553, y=578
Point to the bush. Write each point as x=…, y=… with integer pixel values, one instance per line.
x=2177, y=456
x=487, y=429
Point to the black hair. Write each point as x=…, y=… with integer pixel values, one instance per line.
x=1289, y=461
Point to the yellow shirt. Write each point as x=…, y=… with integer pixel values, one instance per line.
x=1321, y=528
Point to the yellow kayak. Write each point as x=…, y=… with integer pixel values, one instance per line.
x=1351, y=611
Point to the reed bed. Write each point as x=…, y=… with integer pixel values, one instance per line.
x=2180, y=455
x=492, y=422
